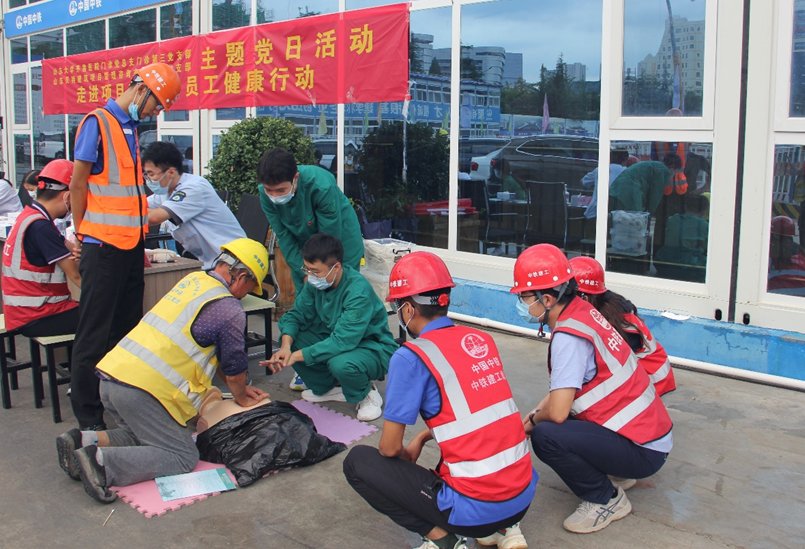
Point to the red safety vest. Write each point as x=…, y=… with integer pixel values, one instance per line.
x=485, y=453
x=30, y=292
x=652, y=357
x=117, y=211
x=621, y=396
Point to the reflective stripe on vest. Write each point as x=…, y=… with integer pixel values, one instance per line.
x=15, y=271
x=662, y=373
x=651, y=355
x=170, y=364
x=32, y=301
x=620, y=373
x=466, y=421
x=632, y=410
x=115, y=219
x=117, y=191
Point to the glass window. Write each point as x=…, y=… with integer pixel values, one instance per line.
x=185, y=145
x=19, y=50
x=655, y=80
x=16, y=3
x=786, y=253
x=407, y=200
x=47, y=45
x=177, y=116
x=133, y=28
x=22, y=155
x=73, y=120
x=528, y=123
x=87, y=37
x=21, y=98
x=269, y=10
x=48, y=130
x=230, y=113
x=659, y=209
x=228, y=14
x=176, y=20
x=797, y=106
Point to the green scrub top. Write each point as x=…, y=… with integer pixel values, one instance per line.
x=318, y=206
x=345, y=317
x=640, y=187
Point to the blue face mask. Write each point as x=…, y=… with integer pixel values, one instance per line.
x=280, y=200
x=523, y=311
x=134, y=112
x=321, y=283
x=156, y=188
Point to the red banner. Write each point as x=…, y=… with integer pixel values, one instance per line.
x=358, y=56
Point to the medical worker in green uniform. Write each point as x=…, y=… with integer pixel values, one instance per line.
x=300, y=201
x=336, y=336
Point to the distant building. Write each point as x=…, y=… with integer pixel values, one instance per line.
x=422, y=51
x=513, y=68
x=689, y=37
x=576, y=72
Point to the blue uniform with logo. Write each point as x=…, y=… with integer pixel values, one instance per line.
x=199, y=220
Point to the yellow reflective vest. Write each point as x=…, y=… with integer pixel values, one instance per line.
x=160, y=355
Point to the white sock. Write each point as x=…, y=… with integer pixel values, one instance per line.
x=99, y=457
x=88, y=438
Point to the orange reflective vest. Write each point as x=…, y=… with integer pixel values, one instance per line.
x=652, y=357
x=679, y=181
x=621, y=396
x=30, y=292
x=116, y=212
x=485, y=453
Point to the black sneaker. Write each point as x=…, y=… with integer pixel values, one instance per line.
x=66, y=445
x=93, y=475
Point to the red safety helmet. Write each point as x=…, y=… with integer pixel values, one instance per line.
x=56, y=171
x=540, y=267
x=589, y=275
x=783, y=225
x=416, y=273
x=163, y=81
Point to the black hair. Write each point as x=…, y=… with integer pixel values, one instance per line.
x=614, y=306
x=618, y=156
x=672, y=161
x=323, y=247
x=30, y=178
x=164, y=155
x=276, y=166
x=567, y=295
x=49, y=194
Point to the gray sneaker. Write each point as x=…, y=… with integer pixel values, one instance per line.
x=591, y=517
x=508, y=538
x=66, y=445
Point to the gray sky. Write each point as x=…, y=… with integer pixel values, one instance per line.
x=543, y=29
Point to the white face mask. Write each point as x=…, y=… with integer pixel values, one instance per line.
x=32, y=194
x=321, y=283
x=404, y=325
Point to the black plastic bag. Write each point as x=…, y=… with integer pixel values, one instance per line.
x=264, y=439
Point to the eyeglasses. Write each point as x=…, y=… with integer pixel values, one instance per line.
x=154, y=177
x=528, y=298
x=309, y=272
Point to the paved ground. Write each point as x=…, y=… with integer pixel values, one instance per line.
x=736, y=478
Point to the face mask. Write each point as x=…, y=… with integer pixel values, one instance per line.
x=523, y=311
x=321, y=283
x=404, y=325
x=134, y=112
x=156, y=188
x=279, y=200
x=32, y=194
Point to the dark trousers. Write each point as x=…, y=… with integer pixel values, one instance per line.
x=583, y=453
x=111, y=305
x=59, y=324
x=406, y=493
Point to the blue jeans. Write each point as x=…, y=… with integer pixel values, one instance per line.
x=583, y=453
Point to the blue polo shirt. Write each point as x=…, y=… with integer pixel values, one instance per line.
x=412, y=391
x=88, y=143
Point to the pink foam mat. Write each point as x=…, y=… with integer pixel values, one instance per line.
x=335, y=426
x=145, y=498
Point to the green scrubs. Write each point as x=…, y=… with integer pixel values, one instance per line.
x=344, y=336
x=318, y=206
x=639, y=188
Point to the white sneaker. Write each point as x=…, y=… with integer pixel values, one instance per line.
x=508, y=538
x=297, y=383
x=336, y=394
x=370, y=408
x=591, y=517
x=624, y=483
x=428, y=544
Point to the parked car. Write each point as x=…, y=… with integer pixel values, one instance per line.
x=48, y=147
x=471, y=147
x=484, y=168
x=565, y=158
x=328, y=149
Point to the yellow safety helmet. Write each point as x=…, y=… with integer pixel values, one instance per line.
x=253, y=255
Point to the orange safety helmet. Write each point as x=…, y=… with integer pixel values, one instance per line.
x=419, y=272
x=59, y=171
x=540, y=267
x=783, y=225
x=589, y=275
x=163, y=81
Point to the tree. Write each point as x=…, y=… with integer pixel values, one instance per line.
x=234, y=166
x=521, y=98
x=435, y=68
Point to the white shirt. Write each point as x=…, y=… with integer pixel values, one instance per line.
x=9, y=201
